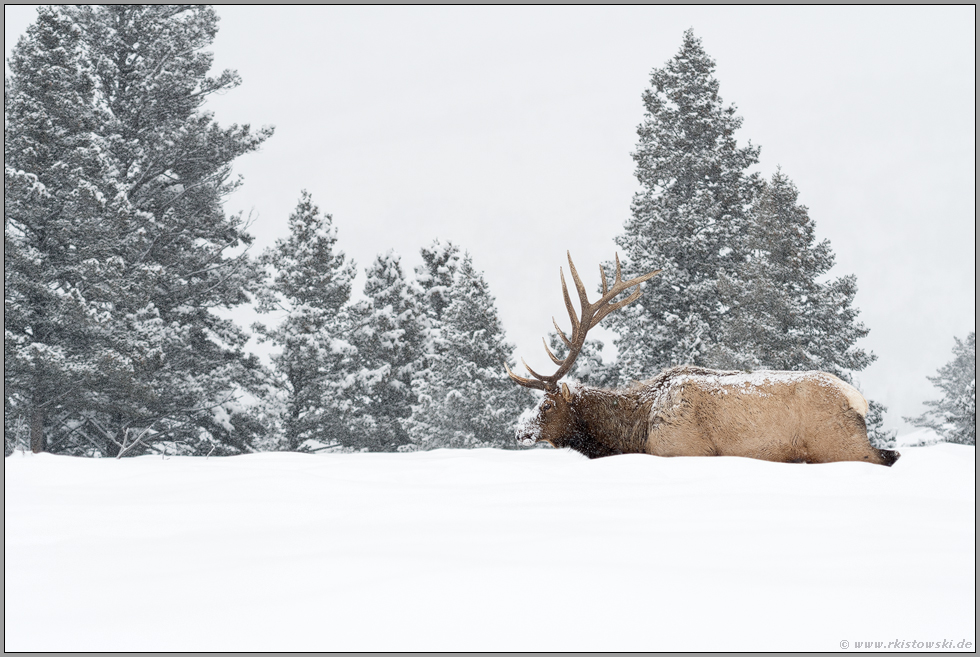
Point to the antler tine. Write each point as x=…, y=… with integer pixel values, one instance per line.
x=527, y=383
x=561, y=334
x=607, y=307
x=554, y=358
x=583, y=296
x=640, y=279
x=543, y=379
x=619, y=285
x=568, y=303
x=592, y=313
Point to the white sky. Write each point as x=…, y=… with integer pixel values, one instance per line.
x=508, y=130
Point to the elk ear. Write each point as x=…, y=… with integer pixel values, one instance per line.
x=566, y=394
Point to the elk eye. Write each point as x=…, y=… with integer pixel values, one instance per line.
x=546, y=406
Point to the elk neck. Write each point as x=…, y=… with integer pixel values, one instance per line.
x=609, y=421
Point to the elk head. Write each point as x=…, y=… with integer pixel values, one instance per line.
x=554, y=419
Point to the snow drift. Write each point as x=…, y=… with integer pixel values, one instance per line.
x=486, y=550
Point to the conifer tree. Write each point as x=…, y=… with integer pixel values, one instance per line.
x=119, y=240
x=434, y=280
x=388, y=337
x=311, y=284
x=465, y=398
x=739, y=287
x=51, y=209
x=440, y=263
x=779, y=316
x=687, y=219
x=954, y=417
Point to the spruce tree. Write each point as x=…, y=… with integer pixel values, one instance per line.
x=465, y=398
x=311, y=283
x=119, y=177
x=55, y=184
x=954, y=417
x=739, y=287
x=688, y=218
x=388, y=337
x=434, y=280
x=778, y=315
x=435, y=276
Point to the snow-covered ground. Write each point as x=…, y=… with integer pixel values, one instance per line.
x=486, y=550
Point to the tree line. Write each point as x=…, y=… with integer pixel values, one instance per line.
x=416, y=364
x=119, y=257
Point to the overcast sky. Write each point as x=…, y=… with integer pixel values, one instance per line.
x=508, y=130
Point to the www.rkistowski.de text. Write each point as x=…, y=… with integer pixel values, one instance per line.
x=912, y=644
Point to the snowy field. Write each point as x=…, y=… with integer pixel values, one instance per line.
x=486, y=550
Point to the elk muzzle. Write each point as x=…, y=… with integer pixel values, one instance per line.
x=529, y=427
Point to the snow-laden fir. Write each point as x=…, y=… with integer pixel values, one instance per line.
x=486, y=550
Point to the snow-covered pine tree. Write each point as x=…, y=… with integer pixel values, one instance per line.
x=104, y=128
x=388, y=336
x=741, y=263
x=688, y=218
x=175, y=162
x=465, y=398
x=311, y=283
x=440, y=263
x=954, y=417
x=434, y=280
x=777, y=313
x=50, y=212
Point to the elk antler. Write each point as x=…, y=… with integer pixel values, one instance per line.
x=592, y=314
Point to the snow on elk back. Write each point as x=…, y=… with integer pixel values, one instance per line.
x=761, y=383
x=787, y=416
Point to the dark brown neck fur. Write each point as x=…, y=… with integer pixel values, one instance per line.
x=608, y=422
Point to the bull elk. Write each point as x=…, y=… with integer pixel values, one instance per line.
x=787, y=416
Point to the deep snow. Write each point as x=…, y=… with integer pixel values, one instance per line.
x=486, y=550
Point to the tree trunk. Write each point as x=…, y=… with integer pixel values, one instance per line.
x=38, y=443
